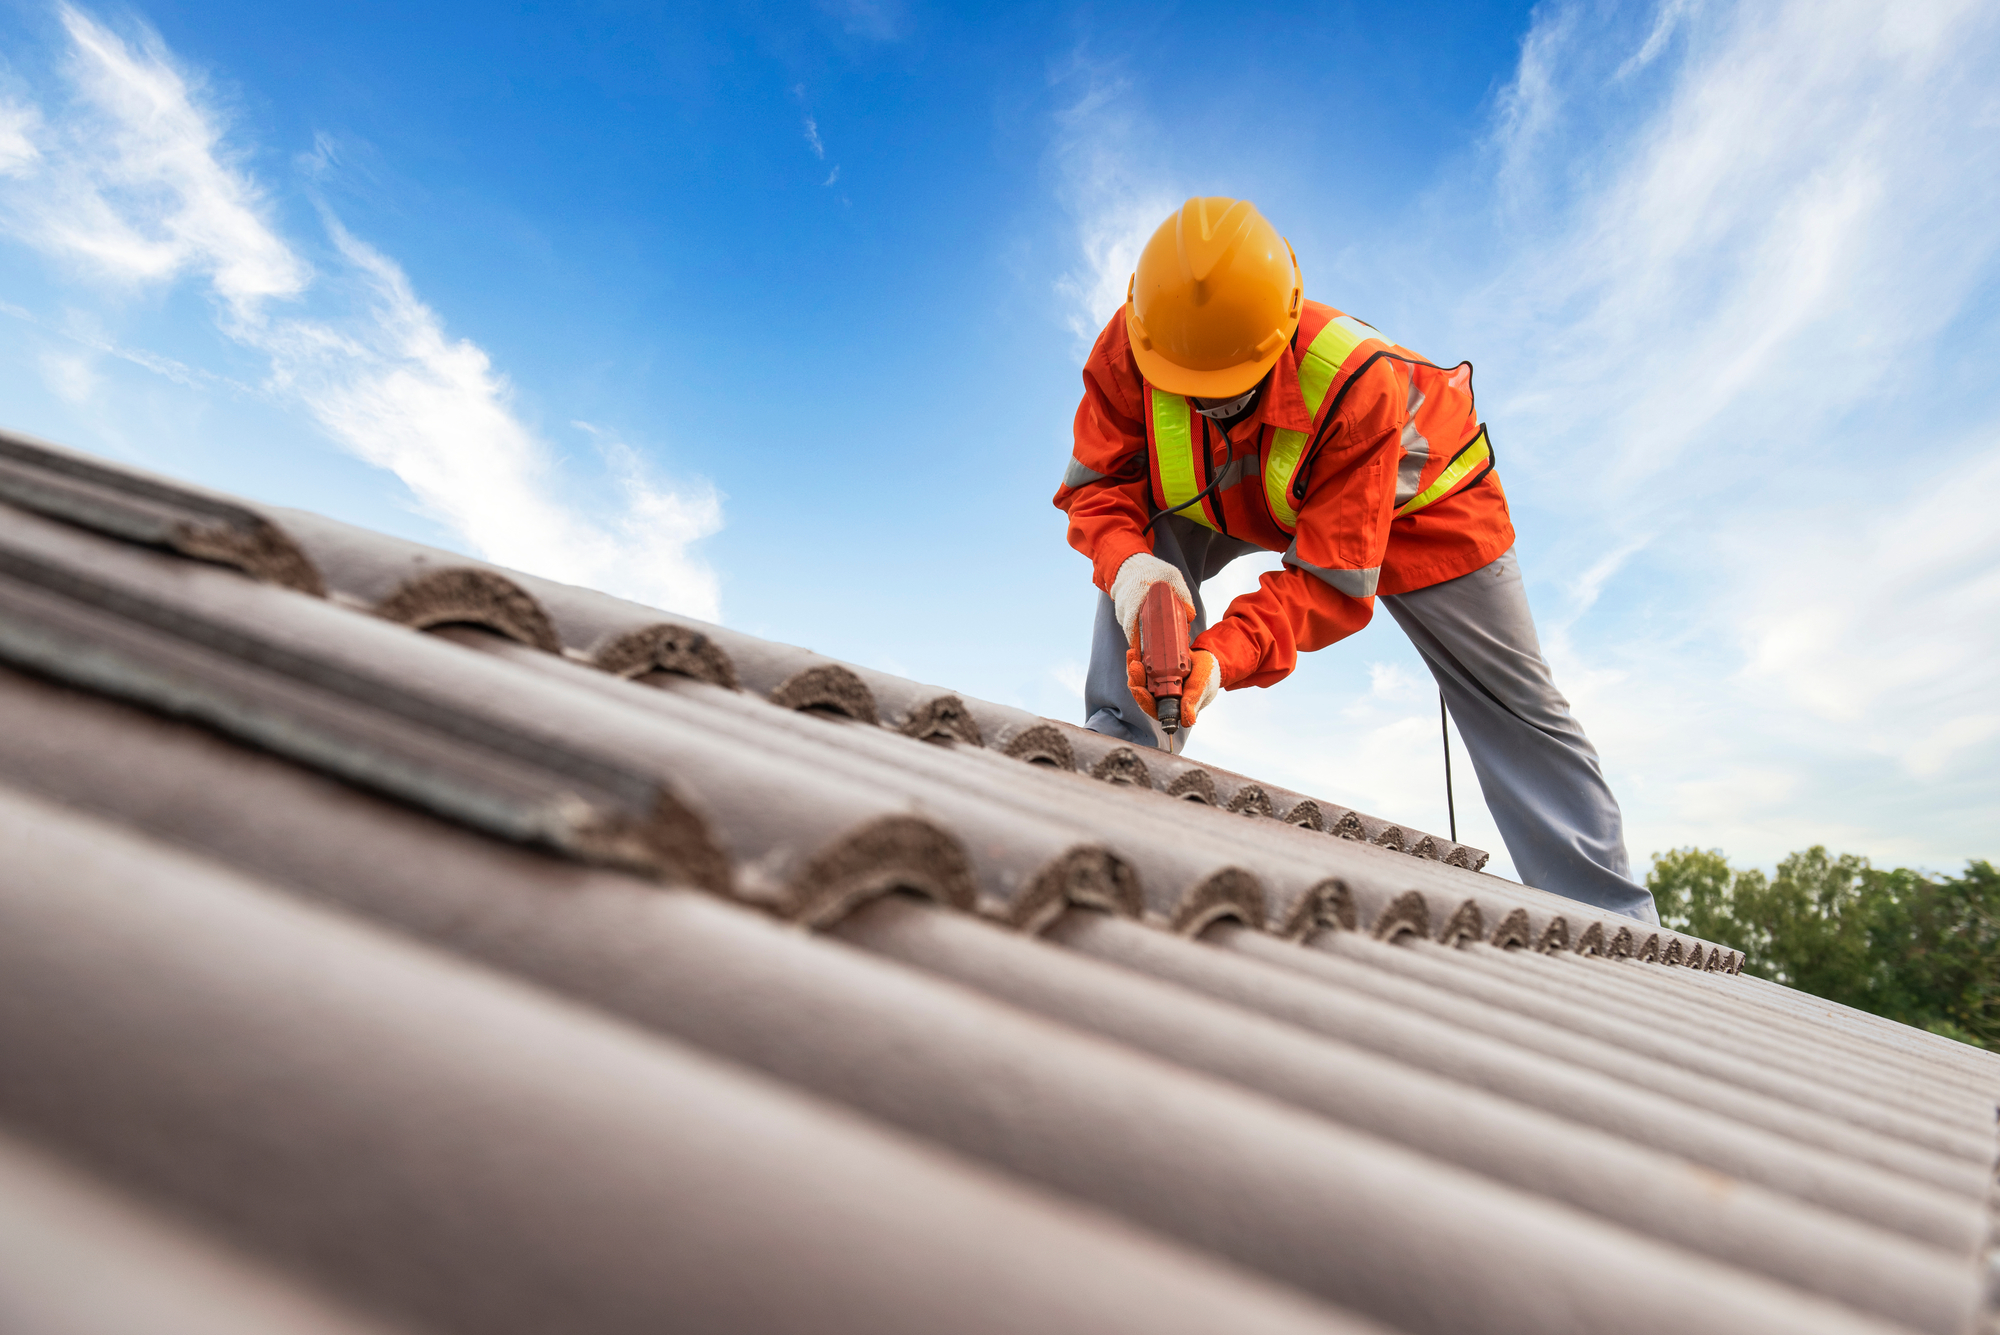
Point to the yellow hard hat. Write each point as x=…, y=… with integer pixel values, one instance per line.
x=1214, y=300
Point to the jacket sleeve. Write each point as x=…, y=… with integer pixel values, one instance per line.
x=1326, y=591
x=1105, y=490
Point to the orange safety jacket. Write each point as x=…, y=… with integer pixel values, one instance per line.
x=1363, y=463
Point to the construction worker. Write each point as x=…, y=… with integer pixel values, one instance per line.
x=1223, y=413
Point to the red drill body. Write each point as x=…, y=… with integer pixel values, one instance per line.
x=1163, y=652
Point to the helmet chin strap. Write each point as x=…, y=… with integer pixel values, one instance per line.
x=1216, y=411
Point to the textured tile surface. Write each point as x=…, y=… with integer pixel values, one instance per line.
x=394, y=942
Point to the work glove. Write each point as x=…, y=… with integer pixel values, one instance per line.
x=1140, y=572
x=1203, y=684
x=1136, y=576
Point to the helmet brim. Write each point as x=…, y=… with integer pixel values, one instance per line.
x=1226, y=383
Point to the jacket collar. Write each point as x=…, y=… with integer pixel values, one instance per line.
x=1283, y=405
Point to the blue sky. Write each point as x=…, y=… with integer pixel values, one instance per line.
x=773, y=314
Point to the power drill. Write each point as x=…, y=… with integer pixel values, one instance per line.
x=1164, y=654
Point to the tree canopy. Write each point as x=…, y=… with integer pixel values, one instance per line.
x=1920, y=949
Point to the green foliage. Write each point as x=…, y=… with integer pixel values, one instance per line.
x=1923, y=950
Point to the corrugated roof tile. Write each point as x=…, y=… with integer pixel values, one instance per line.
x=1629, y=1184
x=1935, y=1209
x=459, y=1149
x=376, y=949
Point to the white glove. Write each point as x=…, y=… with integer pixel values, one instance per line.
x=1141, y=571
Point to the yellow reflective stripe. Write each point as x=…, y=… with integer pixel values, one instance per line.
x=1318, y=369
x=1316, y=372
x=1336, y=343
x=1286, y=447
x=1469, y=459
x=1173, y=446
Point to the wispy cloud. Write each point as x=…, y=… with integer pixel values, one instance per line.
x=1109, y=184
x=1882, y=620
x=1666, y=21
x=72, y=375
x=17, y=148
x=129, y=178
x=79, y=329
x=1531, y=103
x=1792, y=213
x=813, y=141
x=1726, y=323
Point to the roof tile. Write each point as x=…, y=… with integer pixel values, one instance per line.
x=489, y=954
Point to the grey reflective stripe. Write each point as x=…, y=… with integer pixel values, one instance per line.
x=1353, y=583
x=1236, y=470
x=1416, y=449
x=1076, y=475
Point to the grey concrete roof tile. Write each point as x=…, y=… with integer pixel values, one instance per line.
x=1354, y=1220
x=468, y=1153
x=135, y=506
x=85, y=1259
x=1437, y=1138
x=306, y=832
x=1190, y=865
x=459, y=733
x=379, y=572
x=1811, y=1114
x=1752, y=996
x=1629, y=1184
x=1939, y=1207
x=1944, y=1121
x=1691, y=1015
x=343, y=693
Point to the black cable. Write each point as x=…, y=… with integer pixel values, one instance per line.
x=1444, y=726
x=1203, y=495
x=1158, y=515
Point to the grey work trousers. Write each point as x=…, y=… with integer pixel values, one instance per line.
x=1538, y=772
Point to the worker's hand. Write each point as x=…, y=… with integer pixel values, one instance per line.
x=1140, y=572
x=1203, y=684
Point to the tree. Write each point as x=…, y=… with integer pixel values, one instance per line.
x=1948, y=932
x=1693, y=889
x=1919, y=949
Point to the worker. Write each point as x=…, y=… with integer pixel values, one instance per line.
x=1223, y=413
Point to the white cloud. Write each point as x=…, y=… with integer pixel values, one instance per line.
x=812, y=138
x=82, y=329
x=659, y=524
x=1588, y=586
x=1786, y=218
x=1070, y=675
x=1666, y=21
x=1883, y=620
x=1237, y=578
x=1108, y=185
x=1529, y=106
x=71, y=376
x=131, y=180
x=1393, y=681
x=1726, y=331
x=18, y=126
x=1111, y=235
